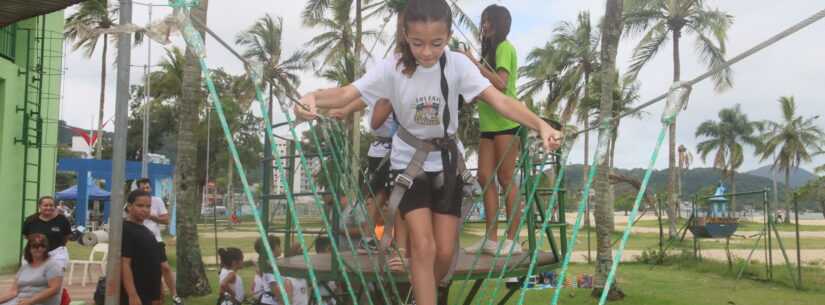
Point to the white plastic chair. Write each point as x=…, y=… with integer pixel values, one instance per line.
x=101, y=250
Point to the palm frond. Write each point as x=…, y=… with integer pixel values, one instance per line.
x=648, y=47
x=715, y=58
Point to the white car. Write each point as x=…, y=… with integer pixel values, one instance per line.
x=214, y=211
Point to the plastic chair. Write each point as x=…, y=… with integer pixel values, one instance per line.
x=101, y=250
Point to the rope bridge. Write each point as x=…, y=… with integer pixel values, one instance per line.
x=364, y=272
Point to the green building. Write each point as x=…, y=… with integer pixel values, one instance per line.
x=31, y=60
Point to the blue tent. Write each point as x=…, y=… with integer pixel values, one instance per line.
x=95, y=193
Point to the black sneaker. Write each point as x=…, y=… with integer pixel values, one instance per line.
x=177, y=300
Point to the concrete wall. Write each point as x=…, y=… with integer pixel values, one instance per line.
x=12, y=88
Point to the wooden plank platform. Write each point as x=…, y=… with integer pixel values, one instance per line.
x=322, y=263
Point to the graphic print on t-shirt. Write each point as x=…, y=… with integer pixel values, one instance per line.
x=427, y=109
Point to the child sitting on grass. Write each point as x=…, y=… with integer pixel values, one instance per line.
x=231, y=284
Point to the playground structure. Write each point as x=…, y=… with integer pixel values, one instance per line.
x=716, y=221
x=345, y=266
x=469, y=267
x=703, y=225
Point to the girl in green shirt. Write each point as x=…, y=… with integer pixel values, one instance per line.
x=498, y=133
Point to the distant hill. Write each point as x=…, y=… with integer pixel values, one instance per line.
x=695, y=181
x=797, y=177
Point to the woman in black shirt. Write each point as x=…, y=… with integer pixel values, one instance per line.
x=55, y=226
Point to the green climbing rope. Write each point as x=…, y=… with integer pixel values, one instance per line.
x=639, y=196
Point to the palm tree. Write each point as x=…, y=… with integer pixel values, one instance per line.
x=543, y=73
x=603, y=212
x=662, y=20
x=580, y=42
x=685, y=160
x=263, y=43
x=84, y=29
x=725, y=137
x=790, y=142
x=167, y=81
x=192, y=278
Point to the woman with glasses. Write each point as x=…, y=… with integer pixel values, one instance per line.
x=39, y=280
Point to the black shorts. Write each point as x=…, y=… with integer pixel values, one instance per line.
x=379, y=174
x=424, y=194
x=492, y=134
x=162, y=249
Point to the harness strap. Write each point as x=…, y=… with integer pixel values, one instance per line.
x=452, y=166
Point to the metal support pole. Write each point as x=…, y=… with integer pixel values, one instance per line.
x=798, y=249
x=291, y=179
x=266, y=180
x=144, y=163
x=695, y=239
x=124, y=58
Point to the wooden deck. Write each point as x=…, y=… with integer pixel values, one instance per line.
x=372, y=266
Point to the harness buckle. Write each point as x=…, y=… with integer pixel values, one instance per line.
x=404, y=180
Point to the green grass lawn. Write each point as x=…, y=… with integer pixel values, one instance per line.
x=637, y=241
x=687, y=283
x=681, y=280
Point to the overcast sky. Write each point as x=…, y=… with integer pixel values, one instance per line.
x=794, y=66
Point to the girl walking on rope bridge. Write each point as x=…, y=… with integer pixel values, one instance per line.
x=423, y=86
x=499, y=143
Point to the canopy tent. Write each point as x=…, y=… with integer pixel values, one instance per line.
x=94, y=193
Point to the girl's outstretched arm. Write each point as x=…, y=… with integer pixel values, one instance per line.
x=517, y=111
x=326, y=98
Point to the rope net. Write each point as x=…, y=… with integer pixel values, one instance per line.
x=371, y=281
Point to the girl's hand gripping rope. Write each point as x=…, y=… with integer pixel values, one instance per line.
x=305, y=109
x=550, y=137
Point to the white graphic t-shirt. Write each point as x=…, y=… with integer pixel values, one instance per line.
x=418, y=103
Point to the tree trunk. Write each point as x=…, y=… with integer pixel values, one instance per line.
x=192, y=279
x=99, y=142
x=673, y=196
x=586, y=169
x=611, y=32
x=788, y=195
x=733, y=191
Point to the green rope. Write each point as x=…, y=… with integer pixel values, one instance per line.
x=528, y=213
x=639, y=196
x=194, y=40
x=337, y=207
x=604, y=135
x=336, y=127
x=488, y=184
x=554, y=199
x=330, y=231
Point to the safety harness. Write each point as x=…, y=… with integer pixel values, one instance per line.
x=452, y=165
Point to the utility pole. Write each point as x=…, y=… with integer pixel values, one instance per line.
x=356, y=116
x=144, y=163
x=124, y=58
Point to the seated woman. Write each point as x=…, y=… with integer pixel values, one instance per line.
x=39, y=279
